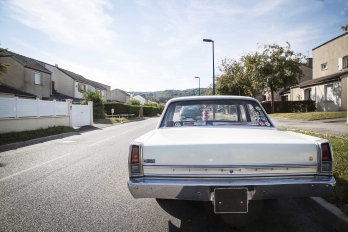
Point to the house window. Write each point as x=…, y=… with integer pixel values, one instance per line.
x=82, y=87
x=345, y=62
x=324, y=66
x=37, y=78
x=54, y=86
x=328, y=93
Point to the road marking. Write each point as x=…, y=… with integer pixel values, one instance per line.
x=27, y=170
x=101, y=141
x=114, y=136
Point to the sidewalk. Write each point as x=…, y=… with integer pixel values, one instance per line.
x=336, y=127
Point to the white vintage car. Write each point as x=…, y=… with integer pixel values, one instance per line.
x=230, y=154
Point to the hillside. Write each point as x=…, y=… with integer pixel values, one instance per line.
x=171, y=93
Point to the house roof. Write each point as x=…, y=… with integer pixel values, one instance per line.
x=97, y=85
x=18, y=93
x=74, y=76
x=60, y=96
x=323, y=80
x=122, y=91
x=28, y=62
x=284, y=91
x=80, y=78
x=330, y=40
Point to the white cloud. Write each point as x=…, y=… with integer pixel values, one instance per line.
x=78, y=23
x=156, y=45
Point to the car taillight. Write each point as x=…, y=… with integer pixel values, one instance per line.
x=326, y=157
x=135, y=166
x=135, y=154
x=325, y=152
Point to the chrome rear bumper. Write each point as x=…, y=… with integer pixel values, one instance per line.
x=201, y=189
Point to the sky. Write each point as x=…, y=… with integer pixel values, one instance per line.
x=153, y=45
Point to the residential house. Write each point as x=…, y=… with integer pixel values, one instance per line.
x=69, y=85
x=328, y=88
x=101, y=88
x=25, y=78
x=119, y=95
x=10, y=92
x=293, y=93
x=31, y=78
x=140, y=98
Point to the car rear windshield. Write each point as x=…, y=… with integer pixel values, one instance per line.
x=215, y=113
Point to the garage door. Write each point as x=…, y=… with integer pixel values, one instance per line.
x=81, y=115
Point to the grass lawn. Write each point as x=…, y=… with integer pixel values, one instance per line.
x=13, y=137
x=340, y=149
x=309, y=116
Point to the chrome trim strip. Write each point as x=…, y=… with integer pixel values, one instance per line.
x=258, y=187
x=240, y=165
x=230, y=170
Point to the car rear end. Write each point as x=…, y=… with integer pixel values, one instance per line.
x=229, y=160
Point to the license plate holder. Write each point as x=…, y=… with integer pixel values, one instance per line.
x=231, y=200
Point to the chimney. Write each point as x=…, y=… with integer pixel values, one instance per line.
x=309, y=62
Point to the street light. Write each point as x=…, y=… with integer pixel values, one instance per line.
x=199, y=86
x=212, y=41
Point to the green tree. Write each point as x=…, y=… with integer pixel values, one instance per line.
x=228, y=82
x=3, y=67
x=133, y=102
x=239, y=76
x=345, y=28
x=98, y=103
x=278, y=67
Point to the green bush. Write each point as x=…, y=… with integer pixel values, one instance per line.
x=133, y=102
x=98, y=103
x=150, y=111
x=290, y=106
x=152, y=104
x=120, y=108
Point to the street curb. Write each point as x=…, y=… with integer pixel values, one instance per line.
x=328, y=213
x=12, y=146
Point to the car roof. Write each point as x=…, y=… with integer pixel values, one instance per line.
x=224, y=97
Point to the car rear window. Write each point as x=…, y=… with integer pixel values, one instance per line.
x=215, y=113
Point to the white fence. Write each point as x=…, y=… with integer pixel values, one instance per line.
x=17, y=108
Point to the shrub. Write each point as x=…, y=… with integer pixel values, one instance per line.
x=150, y=111
x=290, y=106
x=133, y=102
x=152, y=104
x=98, y=103
x=120, y=108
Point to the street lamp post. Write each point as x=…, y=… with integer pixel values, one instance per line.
x=212, y=41
x=199, y=86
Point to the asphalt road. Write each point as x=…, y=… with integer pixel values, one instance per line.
x=78, y=183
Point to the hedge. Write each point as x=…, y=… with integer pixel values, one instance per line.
x=120, y=108
x=290, y=106
x=151, y=111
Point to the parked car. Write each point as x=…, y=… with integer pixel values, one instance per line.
x=190, y=112
x=229, y=157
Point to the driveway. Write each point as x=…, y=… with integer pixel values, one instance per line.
x=337, y=127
